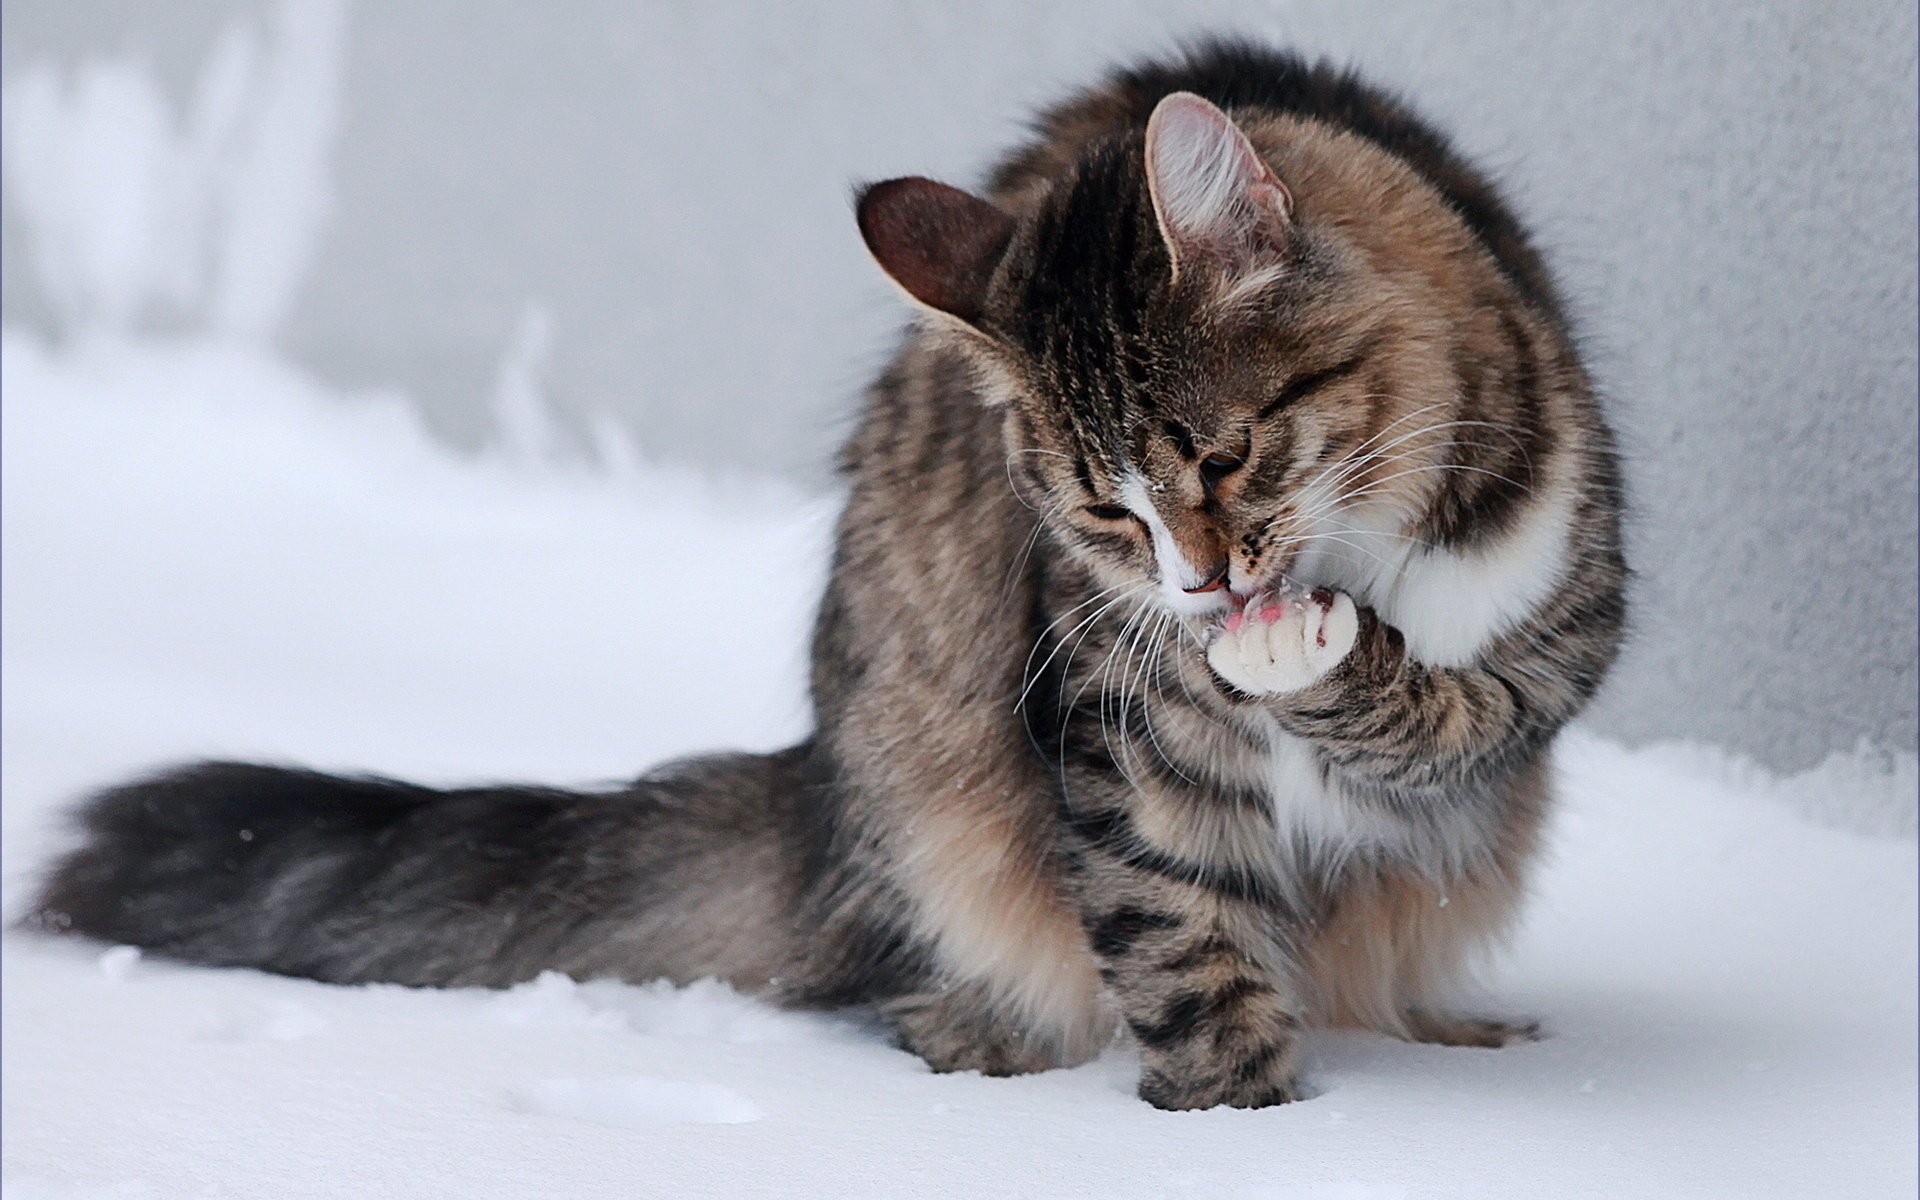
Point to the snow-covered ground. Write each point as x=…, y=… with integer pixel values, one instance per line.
x=206, y=552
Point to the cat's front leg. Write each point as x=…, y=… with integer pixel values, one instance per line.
x=1340, y=677
x=1186, y=950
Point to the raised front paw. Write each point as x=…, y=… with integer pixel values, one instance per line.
x=1283, y=641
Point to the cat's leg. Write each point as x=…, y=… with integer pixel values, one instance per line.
x=1187, y=951
x=1441, y=1029
x=954, y=1028
x=1213, y=1024
x=1395, y=943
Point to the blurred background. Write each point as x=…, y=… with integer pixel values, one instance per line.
x=612, y=229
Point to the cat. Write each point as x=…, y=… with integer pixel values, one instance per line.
x=1225, y=545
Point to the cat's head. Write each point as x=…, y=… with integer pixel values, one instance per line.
x=1213, y=349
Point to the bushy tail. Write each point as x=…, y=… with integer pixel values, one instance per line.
x=687, y=873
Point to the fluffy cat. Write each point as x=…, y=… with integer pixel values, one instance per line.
x=1225, y=546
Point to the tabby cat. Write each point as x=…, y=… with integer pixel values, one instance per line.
x=1225, y=545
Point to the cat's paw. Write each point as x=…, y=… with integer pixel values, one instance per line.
x=1439, y=1029
x=1284, y=641
x=1229, y=1091
x=955, y=1031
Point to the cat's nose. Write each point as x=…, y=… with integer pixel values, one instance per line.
x=1216, y=579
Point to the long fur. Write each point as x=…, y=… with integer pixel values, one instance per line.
x=1035, y=808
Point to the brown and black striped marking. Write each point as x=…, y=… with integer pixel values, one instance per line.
x=1229, y=317
x=1246, y=865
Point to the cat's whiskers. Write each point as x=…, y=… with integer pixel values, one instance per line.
x=1031, y=676
x=1100, y=675
x=1013, y=486
x=1354, y=461
x=1139, y=647
x=1379, y=485
x=1363, y=454
x=1132, y=679
x=1154, y=682
x=1086, y=629
x=1322, y=497
x=1107, y=697
x=1366, y=449
x=1026, y=551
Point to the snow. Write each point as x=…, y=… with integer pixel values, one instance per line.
x=208, y=552
x=640, y=1102
x=118, y=963
x=209, y=212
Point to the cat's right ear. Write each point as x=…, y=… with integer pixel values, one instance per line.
x=938, y=243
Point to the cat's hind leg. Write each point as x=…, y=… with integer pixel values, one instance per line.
x=1394, y=949
x=1441, y=1029
x=953, y=1028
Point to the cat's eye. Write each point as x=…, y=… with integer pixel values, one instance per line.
x=1218, y=465
x=1109, y=512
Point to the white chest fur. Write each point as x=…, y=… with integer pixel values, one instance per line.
x=1448, y=604
x=1309, y=813
x=1318, y=827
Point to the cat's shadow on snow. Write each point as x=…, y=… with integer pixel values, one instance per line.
x=1591, y=1043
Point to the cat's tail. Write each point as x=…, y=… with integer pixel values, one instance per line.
x=690, y=872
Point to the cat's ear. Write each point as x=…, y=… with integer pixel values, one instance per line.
x=1215, y=197
x=938, y=243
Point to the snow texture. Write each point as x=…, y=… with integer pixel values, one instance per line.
x=208, y=552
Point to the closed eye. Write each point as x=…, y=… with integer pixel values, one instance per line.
x=1109, y=512
x=1218, y=465
x=1301, y=386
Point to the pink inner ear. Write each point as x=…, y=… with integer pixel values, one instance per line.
x=939, y=243
x=1212, y=191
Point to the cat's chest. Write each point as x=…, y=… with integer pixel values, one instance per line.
x=1309, y=811
x=1447, y=604
x=1310, y=821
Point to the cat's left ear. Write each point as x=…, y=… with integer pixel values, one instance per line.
x=1215, y=197
x=937, y=242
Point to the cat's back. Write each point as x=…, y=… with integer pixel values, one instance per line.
x=1239, y=74
x=927, y=581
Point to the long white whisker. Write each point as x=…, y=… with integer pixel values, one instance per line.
x=1026, y=551
x=1101, y=675
x=1153, y=683
x=1355, y=457
x=1353, y=461
x=1035, y=676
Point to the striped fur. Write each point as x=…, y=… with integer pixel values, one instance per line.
x=1280, y=342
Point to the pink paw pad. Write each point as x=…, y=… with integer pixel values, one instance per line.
x=1235, y=621
x=1273, y=612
